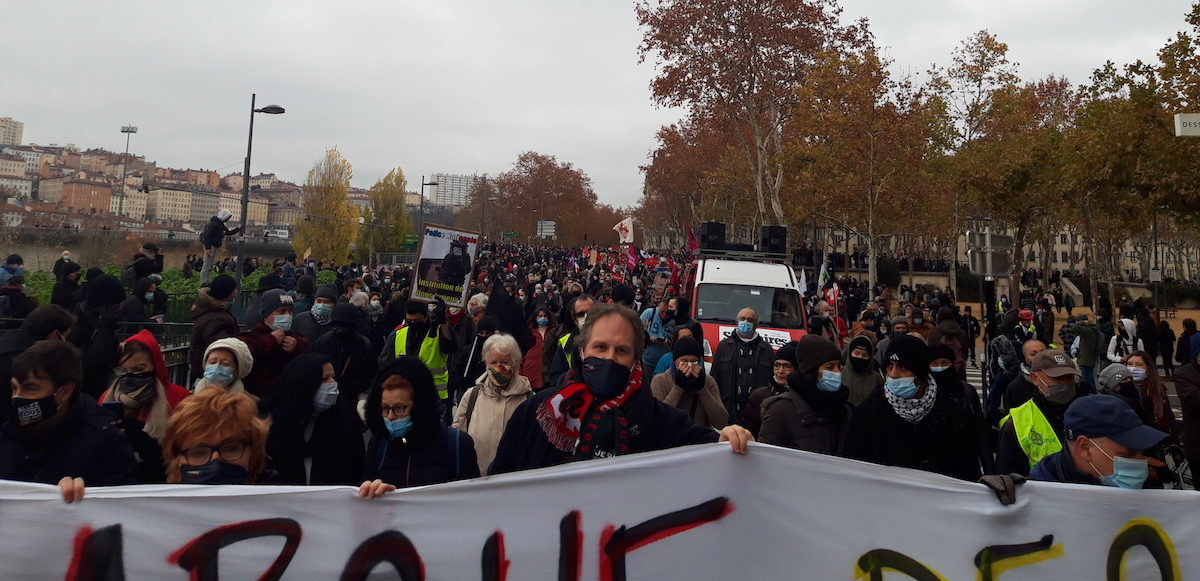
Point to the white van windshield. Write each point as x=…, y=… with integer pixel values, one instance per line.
x=777, y=308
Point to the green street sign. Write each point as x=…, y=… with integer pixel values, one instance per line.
x=509, y=235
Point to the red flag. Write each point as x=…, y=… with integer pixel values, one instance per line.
x=692, y=243
x=631, y=261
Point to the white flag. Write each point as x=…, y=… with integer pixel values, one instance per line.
x=803, y=282
x=625, y=229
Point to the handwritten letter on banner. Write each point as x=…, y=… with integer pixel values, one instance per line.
x=694, y=513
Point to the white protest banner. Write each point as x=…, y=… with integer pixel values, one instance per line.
x=699, y=512
x=444, y=264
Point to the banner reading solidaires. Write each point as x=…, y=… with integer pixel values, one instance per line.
x=693, y=513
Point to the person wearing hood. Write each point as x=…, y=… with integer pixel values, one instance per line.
x=217, y=437
x=1104, y=446
x=1124, y=342
x=907, y=425
x=137, y=308
x=13, y=265
x=741, y=362
x=271, y=342
x=781, y=368
x=814, y=412
x=211, y=319
x=212, y=237
x=66, y=291
x=146, y=261
x=303, y=294
x=1033, y=430
x=252, y=315
x=486, y=408
x=316, y=436
x=19, y=305
x=54, y=434
x=963, y=394
x=146, y=399
x=603, y=410
x=95, y=331
x=687, y=387
x=314, y=323
x=860, y=371
x=226, y=362
x=410, y=446
x=1021, y=388
x=949, y=333
x=348, y=351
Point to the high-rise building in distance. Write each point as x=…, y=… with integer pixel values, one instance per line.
x=452, y=190
x=11, y=131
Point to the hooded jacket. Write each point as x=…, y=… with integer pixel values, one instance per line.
x=489, y=409
x=212, y=320
x=793, y=421
x=861, y=383
x=135, y=308
x=155, y=412
x=215, y=232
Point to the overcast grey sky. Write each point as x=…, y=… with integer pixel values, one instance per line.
x=452, y=86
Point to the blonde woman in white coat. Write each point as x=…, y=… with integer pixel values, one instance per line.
x=485, y=409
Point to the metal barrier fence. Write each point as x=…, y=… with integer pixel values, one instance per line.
x=173, y=338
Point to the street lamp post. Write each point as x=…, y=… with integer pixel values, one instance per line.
x=128, y=130
x=270, y=110
x=424, y=183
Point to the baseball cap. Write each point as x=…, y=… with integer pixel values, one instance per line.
x=1112, y=376
x=1108, y=416
x=1054, y=362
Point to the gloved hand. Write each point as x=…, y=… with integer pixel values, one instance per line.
x=437, y=314
x=1004, y=485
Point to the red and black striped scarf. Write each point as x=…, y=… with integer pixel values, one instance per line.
x=573, y=425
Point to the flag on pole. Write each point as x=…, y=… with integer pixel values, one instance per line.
x=625, y=229
x=823, y=278
x=692, y=244
x=831, y=295
x=803, y=282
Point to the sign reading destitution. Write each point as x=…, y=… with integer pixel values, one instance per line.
x=444, y=264
x=1187, y=125
x=694, y=516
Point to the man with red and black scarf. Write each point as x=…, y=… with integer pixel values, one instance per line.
x=606, y=407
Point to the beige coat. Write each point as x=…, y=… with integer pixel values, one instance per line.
x=704, y=406
x=493, y=408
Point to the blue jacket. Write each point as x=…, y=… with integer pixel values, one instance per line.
x=1058, y=467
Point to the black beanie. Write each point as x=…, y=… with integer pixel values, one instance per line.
x=222, y=286
x=911, y=352
x=105, y=290
x=787, y=353
x=623, y=294
x=328, y=291
x=812, y=352
x=939, y=351
x=686, y=346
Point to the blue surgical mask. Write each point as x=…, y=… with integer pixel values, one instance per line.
x=218, y=374
x=745, y=328
x=398, y=427
x=1128, y=473
x=831, y=381
x=543, y=321
x=939, y=368
x=902, y=387
x=326, y=396
x=148, y=296
x=322, y=310
x=281, y=323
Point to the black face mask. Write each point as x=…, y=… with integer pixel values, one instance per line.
x=213, y=472
x=30, y=412
x=859, y=364
x=132, y=383
x=604, y=377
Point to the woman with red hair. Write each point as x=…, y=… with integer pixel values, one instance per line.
x=216, y=437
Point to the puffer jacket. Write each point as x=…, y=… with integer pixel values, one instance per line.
x=492, y=409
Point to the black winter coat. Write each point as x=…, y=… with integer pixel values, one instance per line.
x=215, y=232
x=211, y=320
x=85, y=444
x=943, y=442
x=65, y=294
x=335, y=447
x=656, y=426
x=96, y=336
x=12, y=343
x=403, y=463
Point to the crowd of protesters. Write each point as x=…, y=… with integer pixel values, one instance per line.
x=558, y=355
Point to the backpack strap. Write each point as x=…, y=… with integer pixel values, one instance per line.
x=457, y=454
x=471, y=407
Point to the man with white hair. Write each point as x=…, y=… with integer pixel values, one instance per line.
x=212, y=237
x=825, y=323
